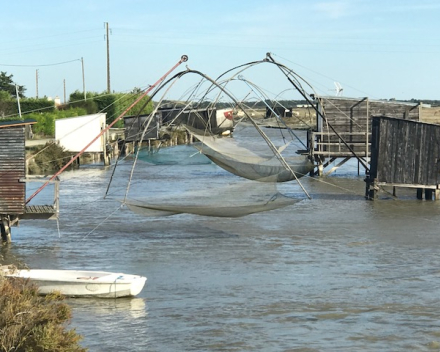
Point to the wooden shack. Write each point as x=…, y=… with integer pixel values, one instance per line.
x=167, y=119
x=404, y=153
x=278, y=111
x=13, y=179
x=344, y=126
x=135, y=126
x=215, y=120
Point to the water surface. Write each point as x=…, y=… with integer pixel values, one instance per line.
x=334, y=273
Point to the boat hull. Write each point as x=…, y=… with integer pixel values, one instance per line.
x=74, y=283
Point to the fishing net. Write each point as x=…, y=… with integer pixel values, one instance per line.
x=231, y=200
x=260, y=165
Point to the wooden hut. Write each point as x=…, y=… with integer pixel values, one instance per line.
x=13, y=179
x=135, y=125
x=406, y=154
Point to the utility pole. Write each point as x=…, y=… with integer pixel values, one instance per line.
x=84, y=82
x=64, y=86
x=18, y=100
x=108, y=58
x=36, y=82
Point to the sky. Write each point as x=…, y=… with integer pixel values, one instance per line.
x=378, y=49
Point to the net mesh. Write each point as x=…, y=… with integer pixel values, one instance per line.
x=254, y=164
x=232, y=200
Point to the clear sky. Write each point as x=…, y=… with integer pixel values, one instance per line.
x=378, y=49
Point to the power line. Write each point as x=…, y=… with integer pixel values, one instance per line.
x=41, y=65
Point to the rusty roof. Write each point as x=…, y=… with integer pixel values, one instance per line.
x=13, y=123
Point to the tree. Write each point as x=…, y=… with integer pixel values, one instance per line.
x=8, y=85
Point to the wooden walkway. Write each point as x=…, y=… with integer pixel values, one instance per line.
x=40, y=212
x=344, y=128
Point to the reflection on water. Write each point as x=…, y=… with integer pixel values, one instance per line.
x=134, y=307
x=335, y=273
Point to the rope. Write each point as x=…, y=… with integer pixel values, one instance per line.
x=108, y=217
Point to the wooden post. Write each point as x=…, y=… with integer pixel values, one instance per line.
x=367, y=189
x=116, y=150
x=56, y=200
x=5, y=229
x=104, y=147
x=428, y=194
x=367, y=130
x=370, y=193
x=419, y=193
x=371, y=189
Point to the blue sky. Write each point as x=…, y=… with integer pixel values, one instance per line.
x=378, y=49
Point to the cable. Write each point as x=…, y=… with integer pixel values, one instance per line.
x=42, y=65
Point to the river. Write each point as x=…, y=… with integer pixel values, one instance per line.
x=331, y=273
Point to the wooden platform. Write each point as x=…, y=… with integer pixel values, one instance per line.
x=40, y=212
x=344, y=127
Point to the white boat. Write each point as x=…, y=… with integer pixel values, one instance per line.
x=76, y=283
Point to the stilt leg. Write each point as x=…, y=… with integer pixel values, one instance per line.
x=428, y=194
x=5, y=229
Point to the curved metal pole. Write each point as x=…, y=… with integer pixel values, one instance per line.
x=250, y=84
x=282, y=68
x=263, y=135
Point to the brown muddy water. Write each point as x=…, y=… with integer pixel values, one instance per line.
x=334, y=273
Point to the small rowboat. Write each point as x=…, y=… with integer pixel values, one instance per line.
x=75, y=283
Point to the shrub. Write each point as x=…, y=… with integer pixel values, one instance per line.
x=112, y=104
x=32, y=323
x=47, y=159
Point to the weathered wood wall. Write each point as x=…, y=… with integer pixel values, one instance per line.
x=12, y=170
x=405, y=152
x=351, y=119
x=134, y=127
x=278, y=111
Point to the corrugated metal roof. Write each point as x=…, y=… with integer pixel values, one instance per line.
x=12, y=170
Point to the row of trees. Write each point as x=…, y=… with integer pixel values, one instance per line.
x=45, y=112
